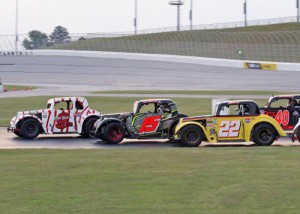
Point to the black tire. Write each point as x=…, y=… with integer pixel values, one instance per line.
x=18, y=132
x=264, y=135
x=191, y=136
x=174, y=124
x=30, y=129
x=101, y=138
x=114, y=133
x=88, y=127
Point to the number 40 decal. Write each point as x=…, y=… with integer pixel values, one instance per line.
x=283, y=117
x=229, y=128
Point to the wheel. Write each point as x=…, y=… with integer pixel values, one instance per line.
x=264, y=135
x=30, y=129
x=18, y=134
x=191, y=136
x=88, y=127
x=114, y=133
x=18, y=131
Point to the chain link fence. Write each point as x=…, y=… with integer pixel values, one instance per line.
x=276, y=46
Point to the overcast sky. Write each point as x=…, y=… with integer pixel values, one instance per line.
x=91, y=16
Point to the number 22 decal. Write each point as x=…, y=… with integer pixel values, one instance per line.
x=229, y=128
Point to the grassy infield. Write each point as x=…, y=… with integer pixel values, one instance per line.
x=151, y=180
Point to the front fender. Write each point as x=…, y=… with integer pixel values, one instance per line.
x=29, y=117
x=297, y=127
x=100, y=122
x=263, y=119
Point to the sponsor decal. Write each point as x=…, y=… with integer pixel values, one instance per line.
x=212, y=126
x=62, y=120
x=260, y=66
x=250, y=65
x=212, y=132
x=212, y=121
x=247, y=120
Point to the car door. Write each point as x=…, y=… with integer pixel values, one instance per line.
x=230, y=128
x=282, y=110
x=63, y=117
x=147, y=122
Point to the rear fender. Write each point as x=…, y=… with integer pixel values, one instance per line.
x=81, y=126
x=297, y=127
x=172, y=126
x=182, y=125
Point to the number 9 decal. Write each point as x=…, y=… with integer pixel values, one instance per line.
x=229, y=128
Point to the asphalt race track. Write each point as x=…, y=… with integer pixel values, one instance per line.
x=78, y=74
x=68, y=76
x=73, y=141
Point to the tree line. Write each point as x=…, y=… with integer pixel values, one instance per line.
x=37, y=39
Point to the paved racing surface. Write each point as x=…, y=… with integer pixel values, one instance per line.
x=67, y=76
x=77, y=74
x=74, y=141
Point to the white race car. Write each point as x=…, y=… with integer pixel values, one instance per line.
x=62, y=115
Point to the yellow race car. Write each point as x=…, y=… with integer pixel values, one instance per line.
x=232, y=121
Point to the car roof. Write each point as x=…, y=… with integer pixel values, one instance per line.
x=66, y=98
x=155, y=101
x=231, y=102
x=297, y=96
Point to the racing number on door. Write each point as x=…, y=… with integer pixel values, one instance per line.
x=150, y=124
x=229, y=128
x=283, y=117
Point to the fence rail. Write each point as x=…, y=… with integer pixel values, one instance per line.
x=280, y=46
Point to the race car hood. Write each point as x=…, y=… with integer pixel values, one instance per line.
x=202, y=117
x=22, y=114
x=30, y=112
x=117, y=115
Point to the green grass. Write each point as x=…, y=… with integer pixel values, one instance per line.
x=187, y=92
x=293, y=26
x=18, y=87
x=190, y=106
x=170, y=180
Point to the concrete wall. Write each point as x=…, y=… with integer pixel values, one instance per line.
x=159, y=57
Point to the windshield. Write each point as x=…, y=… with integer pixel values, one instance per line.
x=215, y=109
x=135, y=106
